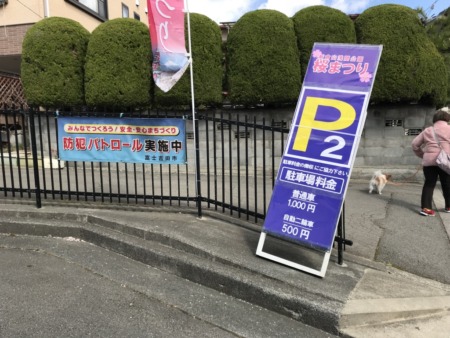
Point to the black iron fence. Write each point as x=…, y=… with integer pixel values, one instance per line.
x=233, y=158
x=231, y=167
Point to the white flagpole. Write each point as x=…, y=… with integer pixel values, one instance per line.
x=190, y=59
x=194, y=119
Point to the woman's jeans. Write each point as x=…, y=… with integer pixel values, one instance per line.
x=431, y=174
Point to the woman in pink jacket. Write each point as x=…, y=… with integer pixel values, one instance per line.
x=426, y=147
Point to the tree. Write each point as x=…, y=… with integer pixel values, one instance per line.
x=321, y=24
x=262, y=59
x=438, y=29
x=118, y=65
x=207, y=65
x=52, y=68
x=411, y=67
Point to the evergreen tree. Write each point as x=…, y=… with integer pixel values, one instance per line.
x=52, y=68
x=438, y=29
x=321, y=24
x=411, y=67
x=118, y=65
x=263, y=64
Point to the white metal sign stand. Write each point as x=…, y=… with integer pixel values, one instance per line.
x=320, y=273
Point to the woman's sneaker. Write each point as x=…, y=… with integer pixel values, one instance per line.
x=447, y=210
x=428, y=212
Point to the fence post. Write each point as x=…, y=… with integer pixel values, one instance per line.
x=197, y=165
x=34, y=155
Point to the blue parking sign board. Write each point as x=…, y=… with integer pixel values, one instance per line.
x=326, y=128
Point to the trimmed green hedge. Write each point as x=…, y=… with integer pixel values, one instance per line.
x=447, y=63
x=52, y=68
x=263, y=59
x=207, y=58
x=118, y=65
x=439, y=32
x=63, y=65
x=411, y=67
x=321, y=24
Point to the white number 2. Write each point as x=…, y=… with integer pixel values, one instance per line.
x=329, y=151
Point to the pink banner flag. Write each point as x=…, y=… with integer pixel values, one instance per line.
x=166, y=23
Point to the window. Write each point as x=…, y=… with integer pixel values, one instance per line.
x=137, y=16
x=242, y=134
x=91, y=4
x=393, y=123
x=223, y=126
x=97, y=8
x=125, y=11
x=279, y=124
x=413, y=131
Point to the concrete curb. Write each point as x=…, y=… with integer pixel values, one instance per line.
x=376, y=311
x=184, y=261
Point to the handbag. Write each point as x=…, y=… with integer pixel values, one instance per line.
x=443, y=159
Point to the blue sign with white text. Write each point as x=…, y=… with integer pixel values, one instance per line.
x=129, y=140
x=326, y=128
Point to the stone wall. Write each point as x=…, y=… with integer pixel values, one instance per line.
x=388, y=133
x=385, y=142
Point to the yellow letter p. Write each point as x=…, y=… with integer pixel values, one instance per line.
x=308, y=121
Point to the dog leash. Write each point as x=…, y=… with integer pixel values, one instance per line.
x=406, y=179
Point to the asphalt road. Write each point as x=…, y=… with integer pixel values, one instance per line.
x=388, y=228
x=51, y=287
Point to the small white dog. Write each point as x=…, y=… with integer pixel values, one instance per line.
x=378, y=181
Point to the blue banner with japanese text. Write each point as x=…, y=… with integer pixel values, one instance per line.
x=326, y=128
x=128, y=140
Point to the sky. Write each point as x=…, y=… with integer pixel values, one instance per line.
x=232, y=10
